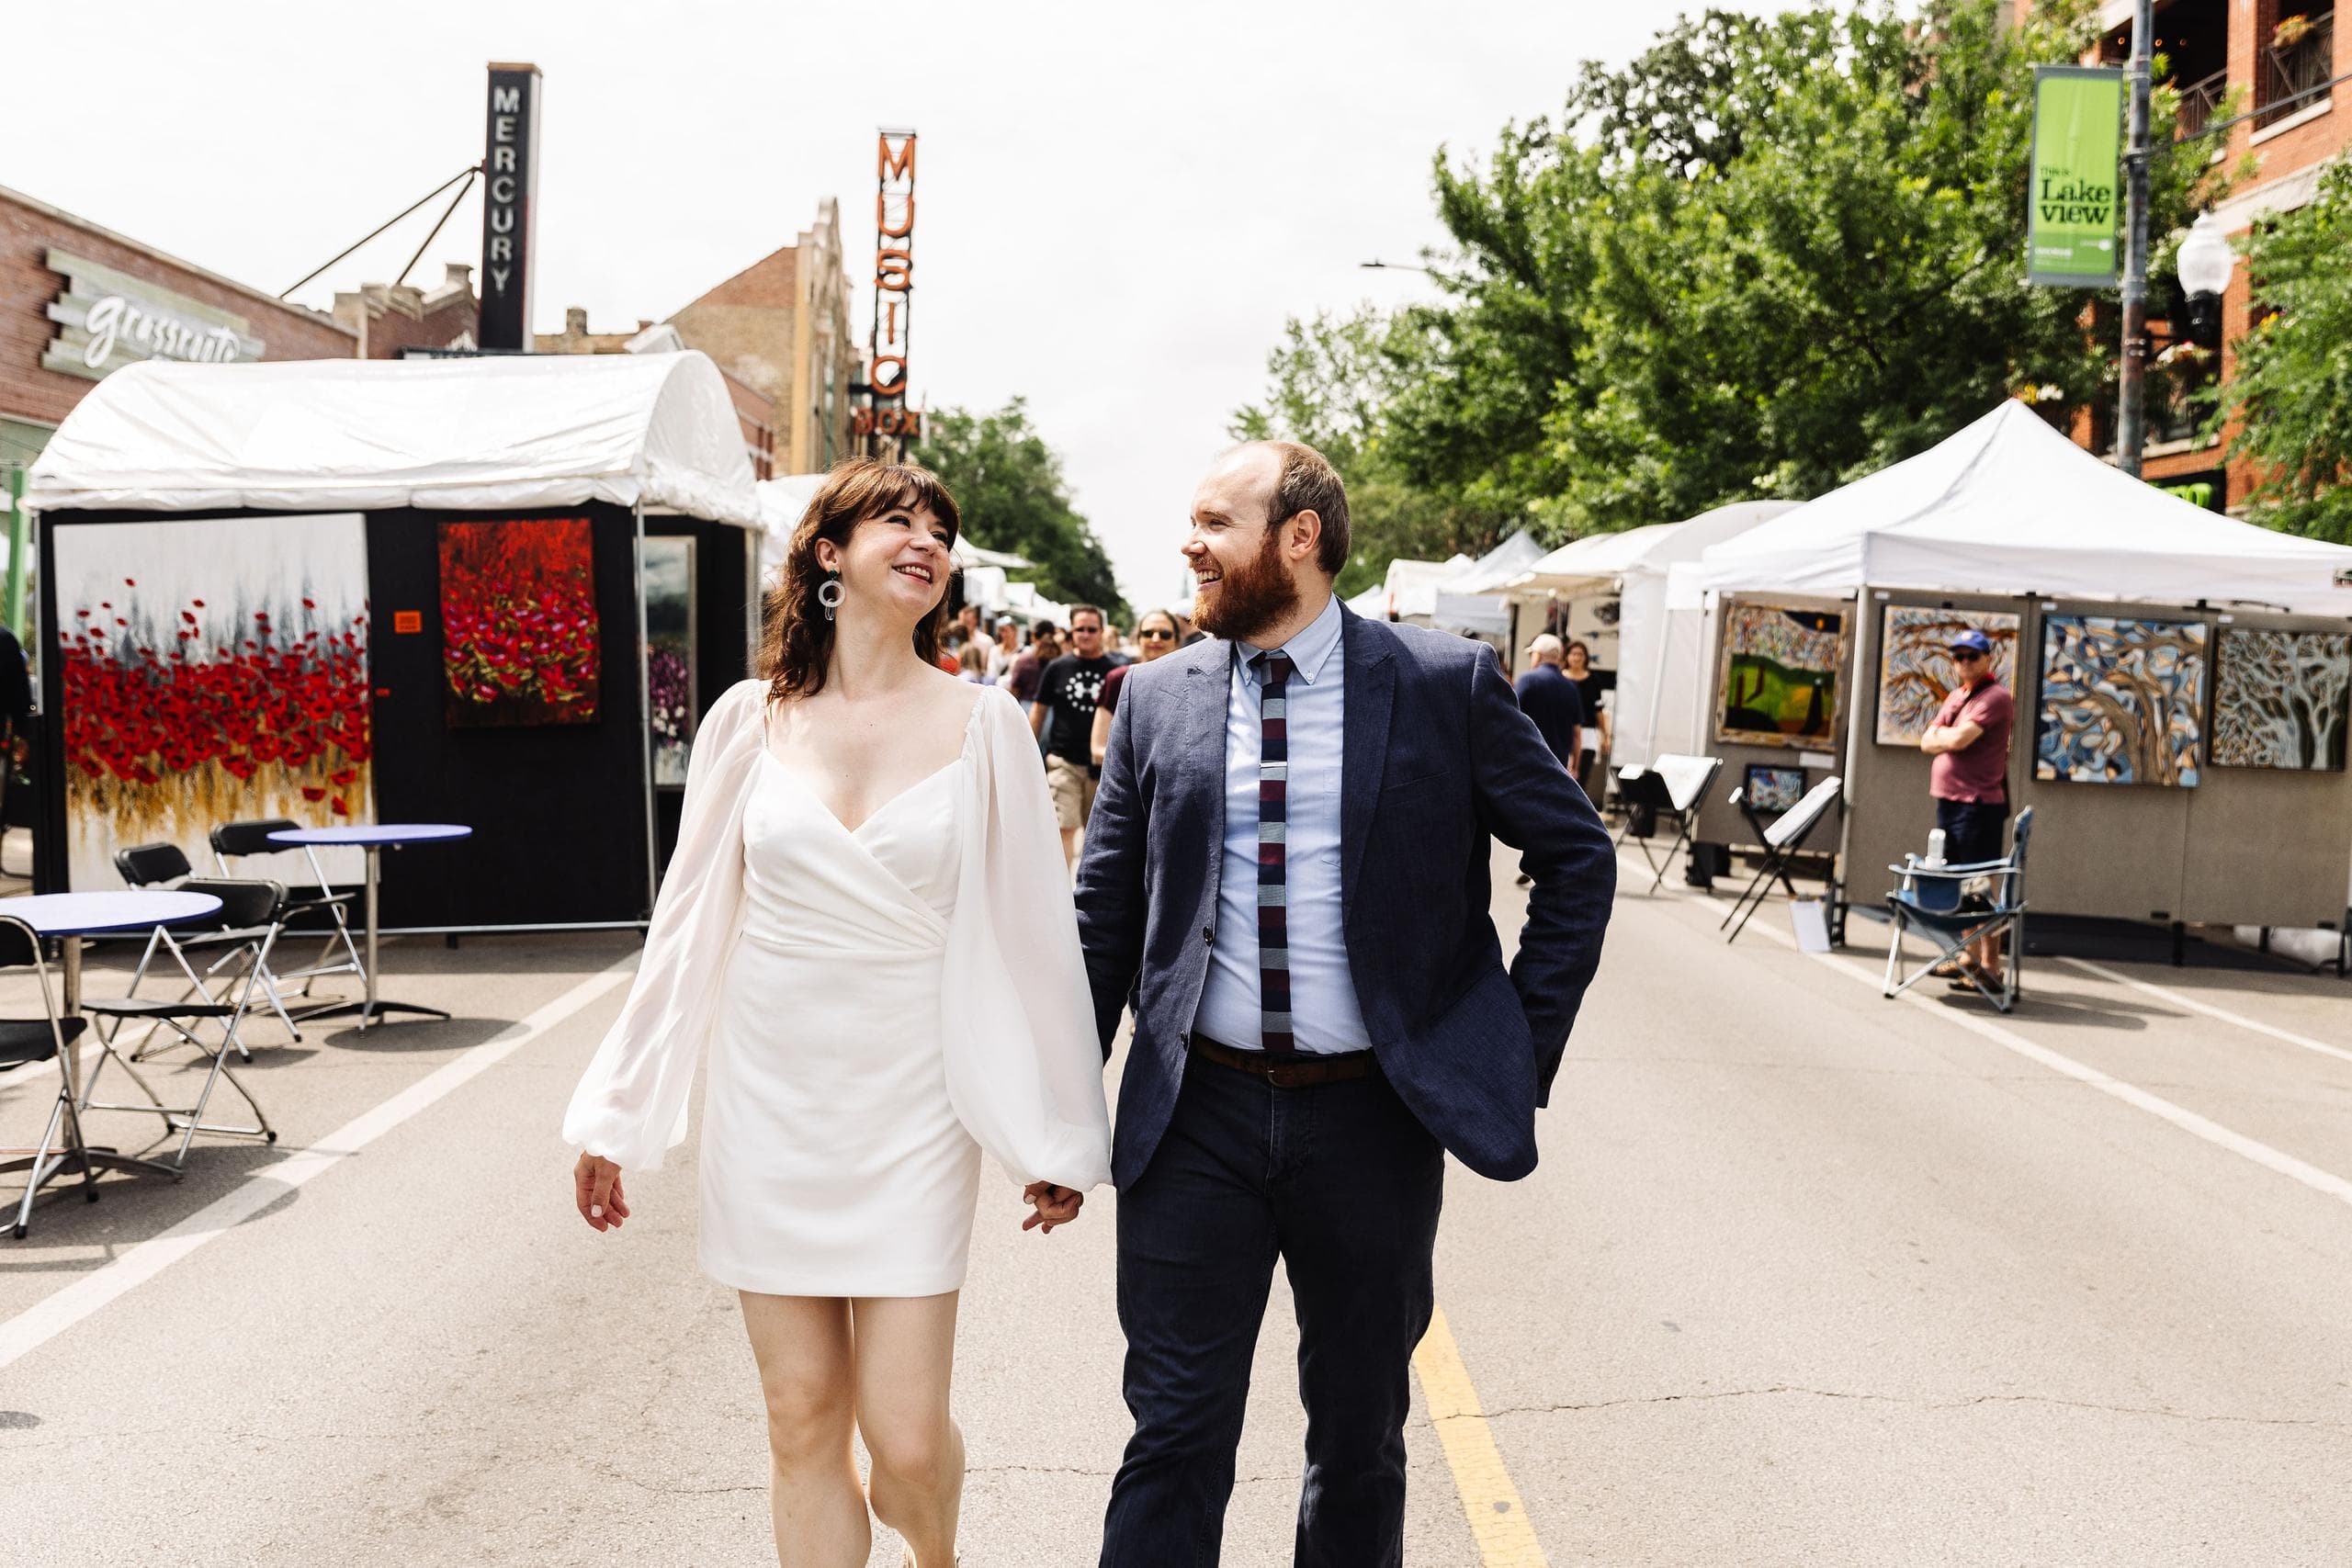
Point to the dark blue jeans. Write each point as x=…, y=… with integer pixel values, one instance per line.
x=1341, y=1183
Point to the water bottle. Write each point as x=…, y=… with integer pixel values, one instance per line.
x=1935, y=847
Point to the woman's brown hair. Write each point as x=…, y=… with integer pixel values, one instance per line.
x=795, y=638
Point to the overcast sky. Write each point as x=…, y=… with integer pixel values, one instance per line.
x=1118, y=205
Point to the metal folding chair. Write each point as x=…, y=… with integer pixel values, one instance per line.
x=1674, y=783
x=1783, y=842
x=249, y=920
x=232, y=841
x=41, y=1039
x=163, y=865
x=1934, y=900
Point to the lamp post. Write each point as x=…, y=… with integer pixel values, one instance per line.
x=2205, y=265
x=2131, y=427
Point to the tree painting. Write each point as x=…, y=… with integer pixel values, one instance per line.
x=2280, y=702
x=1778, y=675
x=2122, y=700
x=1915, y=669
x=518, y=622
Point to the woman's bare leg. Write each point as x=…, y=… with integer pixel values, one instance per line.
x=807, y=1376
x=905, y=1349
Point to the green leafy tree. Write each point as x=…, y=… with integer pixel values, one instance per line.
x=1010, y=485
x=2290, y=402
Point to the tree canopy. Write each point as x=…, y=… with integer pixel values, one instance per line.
x=1010, y=486
x=1769, y=255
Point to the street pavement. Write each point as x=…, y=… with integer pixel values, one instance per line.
x=1806, y=1277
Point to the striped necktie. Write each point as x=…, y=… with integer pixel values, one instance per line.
x=1273, y=823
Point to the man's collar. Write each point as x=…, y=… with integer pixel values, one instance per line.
x=1311, y=649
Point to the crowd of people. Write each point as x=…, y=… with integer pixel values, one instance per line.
x=1066, y=679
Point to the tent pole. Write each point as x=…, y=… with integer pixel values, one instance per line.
x=645, y=707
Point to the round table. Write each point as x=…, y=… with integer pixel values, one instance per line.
x=70, y=916
x=375, y=838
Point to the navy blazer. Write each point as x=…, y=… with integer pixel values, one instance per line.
x=1437, y=757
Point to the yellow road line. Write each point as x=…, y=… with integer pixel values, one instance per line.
x=1497, y=1521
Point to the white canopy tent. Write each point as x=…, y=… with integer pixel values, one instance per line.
x=1411, y=588
x=2008, y=505
x=371, y=435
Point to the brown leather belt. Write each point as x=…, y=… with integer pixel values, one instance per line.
x=1288, y=1072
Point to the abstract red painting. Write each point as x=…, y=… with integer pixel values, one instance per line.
x=518, y=622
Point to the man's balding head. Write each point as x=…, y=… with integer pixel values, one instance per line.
x=1289, y=478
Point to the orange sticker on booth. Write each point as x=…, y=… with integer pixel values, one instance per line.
x=408, y=620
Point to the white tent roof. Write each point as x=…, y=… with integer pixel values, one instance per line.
x=1594, y=557
x=785, y=498
x=2010, y=506
x=1411, y=588
x=1497, y=566
x=444, y=434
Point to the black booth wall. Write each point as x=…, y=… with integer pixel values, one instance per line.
x=558, y=810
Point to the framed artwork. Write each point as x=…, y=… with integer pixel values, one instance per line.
x=2122, y=700
x=1771, y=789
x=214, y=670
x=1778, y=674
x=2279, y=699
x=518, y=623
x=669, y=655
x=1916, y=672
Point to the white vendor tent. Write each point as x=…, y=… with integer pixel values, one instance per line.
x=1593, y=561
x=2008, y=505
x=1411, y=587
x=373, y=434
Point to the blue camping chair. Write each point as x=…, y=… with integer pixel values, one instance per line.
x=1931, y=899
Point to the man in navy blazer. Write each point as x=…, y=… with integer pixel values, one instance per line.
x=1285, y=879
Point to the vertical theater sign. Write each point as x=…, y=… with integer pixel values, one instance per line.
x=510, y=167
x=886, y=419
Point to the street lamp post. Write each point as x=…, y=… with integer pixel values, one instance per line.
x=2130, y=429
x=2205, y=265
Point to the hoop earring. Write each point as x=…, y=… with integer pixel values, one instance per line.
x=828, y=593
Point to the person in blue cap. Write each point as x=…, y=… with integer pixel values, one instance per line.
x=1970, y=777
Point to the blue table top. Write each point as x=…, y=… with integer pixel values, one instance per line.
x=77, y=914
x=373, y=833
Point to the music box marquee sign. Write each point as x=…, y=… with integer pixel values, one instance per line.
x=106, y=319
x=894, y=283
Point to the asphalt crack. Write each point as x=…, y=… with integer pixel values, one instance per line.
x=1918, y=1403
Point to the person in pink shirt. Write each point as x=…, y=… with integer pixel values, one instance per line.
x=1970, y=777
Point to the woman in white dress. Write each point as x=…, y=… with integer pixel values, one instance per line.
x=867, y=925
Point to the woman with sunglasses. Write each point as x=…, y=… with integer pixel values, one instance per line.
x=1154, y=637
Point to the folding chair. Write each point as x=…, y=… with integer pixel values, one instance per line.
x=1674, y=783
x=1783, y=842
x=248, y=917
x=233, y=839
x=42, y=1039
x=1932, y=898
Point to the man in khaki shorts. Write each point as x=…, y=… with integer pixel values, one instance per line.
x=1064, y=715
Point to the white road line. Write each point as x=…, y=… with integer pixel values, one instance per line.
x=2188, y=1121
x=53, y=1315
x=2209, y=1010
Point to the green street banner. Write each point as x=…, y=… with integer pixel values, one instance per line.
x=2077, y=147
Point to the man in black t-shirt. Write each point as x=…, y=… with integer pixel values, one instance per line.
x=1067, y=697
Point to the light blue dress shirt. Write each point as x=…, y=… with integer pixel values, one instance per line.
x=1324, y=1014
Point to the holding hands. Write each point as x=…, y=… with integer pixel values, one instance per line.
x=1054, y=1205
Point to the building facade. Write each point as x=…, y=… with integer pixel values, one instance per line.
x=78, y=301
x=389, y=318
x=754, y=411
x=2258, y=79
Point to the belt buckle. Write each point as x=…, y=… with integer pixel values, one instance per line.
x=1286, y=1074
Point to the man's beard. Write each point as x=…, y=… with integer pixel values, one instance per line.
x=1250, y=598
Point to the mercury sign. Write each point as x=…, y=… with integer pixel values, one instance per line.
x=106, y=319
x=894, y=279
x=510, y=166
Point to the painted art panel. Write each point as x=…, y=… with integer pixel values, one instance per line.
x=2122, y=700
x=1771, y=790
x=1915, y=669
x=214, y=670
x=1779, y=675
x=2279, y=700
x=518, y=622
x=669, y=654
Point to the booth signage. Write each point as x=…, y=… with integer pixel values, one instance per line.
x=894, y=282
x=106, y=319
x=2071, y=209
x=510, y=166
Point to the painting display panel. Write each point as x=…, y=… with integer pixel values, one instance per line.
x=1915, y=669
x=2122, y=700
x=1778, y=674
x=1771, y=790
x=214, y=670
x=2280, y=699
x=669, y=655
x=518, y=622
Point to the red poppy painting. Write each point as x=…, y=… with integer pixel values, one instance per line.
x=215, y=669
x=518, y=622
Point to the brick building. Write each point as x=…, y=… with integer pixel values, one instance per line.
x=388, y=318
x=2282, y=59
x=77, y=301
x=752, y=409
